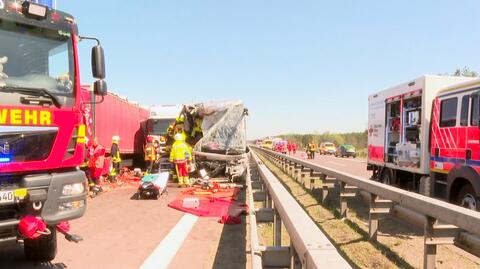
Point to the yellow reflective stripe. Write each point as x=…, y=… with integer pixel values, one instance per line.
x=81, y=133
x=436, y=170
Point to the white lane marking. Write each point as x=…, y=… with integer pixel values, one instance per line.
x=168, y=248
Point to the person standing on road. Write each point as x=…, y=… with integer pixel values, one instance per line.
x=289, y=148
x=294, y=148
x=312, y=148
x=116, y=160
x=96, y=162
x=180, y=155
x=150, y=154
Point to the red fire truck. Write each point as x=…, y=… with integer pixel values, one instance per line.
x=424, y=136
x=42, y=132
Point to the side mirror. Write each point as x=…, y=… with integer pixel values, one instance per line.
x=100, y=87
x=98, y=62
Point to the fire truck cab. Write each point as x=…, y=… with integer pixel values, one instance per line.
x=423, y=136
x=42, y=132
x=455, y=144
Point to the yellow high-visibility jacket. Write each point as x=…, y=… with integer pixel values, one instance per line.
x=115, y=151
x=180, y=151
x=150, y=154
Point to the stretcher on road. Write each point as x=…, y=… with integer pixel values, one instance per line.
x=153, y=186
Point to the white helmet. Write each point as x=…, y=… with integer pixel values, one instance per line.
x=116, y=138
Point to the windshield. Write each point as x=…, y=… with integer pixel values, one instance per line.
x=328, y=145
x=349, y=147
x=35, y=58
x=159, y=126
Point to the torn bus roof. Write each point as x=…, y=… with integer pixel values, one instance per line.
x=223, y=126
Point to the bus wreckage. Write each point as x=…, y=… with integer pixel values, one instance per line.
x=217, y=133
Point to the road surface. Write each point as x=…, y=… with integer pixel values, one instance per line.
x=120, y=232
x=354, y=166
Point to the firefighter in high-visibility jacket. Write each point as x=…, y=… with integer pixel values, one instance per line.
x=150, y=154
x=181, y=155
x=116, y=160
x=197, y=132
x=180, y=127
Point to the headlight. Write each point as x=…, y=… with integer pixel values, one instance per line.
x=71, y=205
x=73, y=189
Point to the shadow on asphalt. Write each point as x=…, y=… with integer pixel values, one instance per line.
x=13, y=257
x=232, y=246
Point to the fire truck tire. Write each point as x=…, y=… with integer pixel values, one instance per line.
x=43, y=249
x=467, y=198
x=425, y=187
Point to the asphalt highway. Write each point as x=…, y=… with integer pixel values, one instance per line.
x=121, y=232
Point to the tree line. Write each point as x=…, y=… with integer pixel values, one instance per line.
x=358, y=139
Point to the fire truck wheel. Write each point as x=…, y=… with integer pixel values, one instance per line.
x=43, y=248
x=467, y=198
x=425, y=186
x=386, y=177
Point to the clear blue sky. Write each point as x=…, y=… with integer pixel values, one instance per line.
x=300, y=66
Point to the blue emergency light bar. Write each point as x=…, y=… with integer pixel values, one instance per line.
x=5, y=159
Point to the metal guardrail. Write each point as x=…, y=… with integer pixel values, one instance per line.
x=309, y=247
x=434, y=210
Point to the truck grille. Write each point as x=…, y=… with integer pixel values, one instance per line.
x=22, y=144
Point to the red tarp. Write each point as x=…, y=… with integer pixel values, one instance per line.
x=211, y=204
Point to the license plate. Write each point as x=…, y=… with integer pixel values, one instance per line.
x=7, y=197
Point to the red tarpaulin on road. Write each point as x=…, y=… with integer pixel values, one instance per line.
x=211, y=204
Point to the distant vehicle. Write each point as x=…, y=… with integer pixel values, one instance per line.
x=346, y=151
x=327, y=148
x=267, y=144
x=423, y=135
x=258, y=142
x=280, y=146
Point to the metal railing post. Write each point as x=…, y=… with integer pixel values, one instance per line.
x=343, y=201
x=294, y=259
x=296, y=172
x=305, y=176
x=373, y=219
x=383, y=199
x=430, y=250
x=277, y=229
x=268, y=200
x=290, y=168
x=313, y=176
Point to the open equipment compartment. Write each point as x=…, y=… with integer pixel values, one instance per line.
x=392, y=133
x=409, y=146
